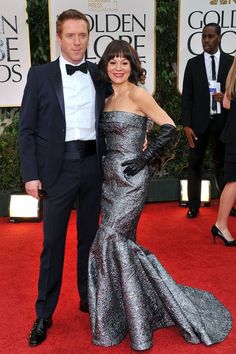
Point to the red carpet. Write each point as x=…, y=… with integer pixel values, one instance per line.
x=183, y=246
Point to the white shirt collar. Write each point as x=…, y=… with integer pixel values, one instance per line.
x=216, y=55
x=63, y=62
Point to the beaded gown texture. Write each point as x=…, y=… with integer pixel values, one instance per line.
x=130, y=292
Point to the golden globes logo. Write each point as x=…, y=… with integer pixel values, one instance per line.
x=103, y=5
x=109, y=26
x=224, y=16
x=222, y=2
x=9, y=50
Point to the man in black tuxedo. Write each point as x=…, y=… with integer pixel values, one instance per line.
x=60, y=150
x=200, y=126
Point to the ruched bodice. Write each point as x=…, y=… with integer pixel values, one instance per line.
x=129, y=290
x=125, y=132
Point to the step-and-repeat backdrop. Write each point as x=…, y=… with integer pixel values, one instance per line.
x=131, y=20
x=14, y=51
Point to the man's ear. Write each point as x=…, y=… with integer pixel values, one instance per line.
x=58, y=38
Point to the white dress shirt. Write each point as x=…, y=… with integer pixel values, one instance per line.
x=208, y=60
x=79, y=99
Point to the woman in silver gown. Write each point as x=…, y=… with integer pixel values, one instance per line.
x=129, y=290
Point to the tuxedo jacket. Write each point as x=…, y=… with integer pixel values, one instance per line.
x=196, y=96
x=43, y=125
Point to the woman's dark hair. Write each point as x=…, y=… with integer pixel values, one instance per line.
x=120, y=48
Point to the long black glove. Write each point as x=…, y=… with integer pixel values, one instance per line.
x=155, y=148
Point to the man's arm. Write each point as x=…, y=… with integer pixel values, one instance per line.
x=27, y=129
x=187, y=102
x=187, y=96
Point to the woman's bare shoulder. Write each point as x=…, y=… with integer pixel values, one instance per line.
x=138, y=93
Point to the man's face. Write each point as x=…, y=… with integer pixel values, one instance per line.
x=73, y=40
x=210, y=40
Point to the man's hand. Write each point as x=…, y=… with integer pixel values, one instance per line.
x=218, y=96
x=191, y=136
x=32, y=188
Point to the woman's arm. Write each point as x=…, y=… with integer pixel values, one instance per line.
x=226, y=102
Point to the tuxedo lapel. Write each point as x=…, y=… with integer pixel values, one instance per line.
x=94, y=75
x=202, y=70
x=99, y=101
x=221, y=67
x=57, y=83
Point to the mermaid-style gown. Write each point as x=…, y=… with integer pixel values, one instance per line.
x=129, y=290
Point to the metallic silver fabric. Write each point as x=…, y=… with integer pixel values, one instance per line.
x=129, y=290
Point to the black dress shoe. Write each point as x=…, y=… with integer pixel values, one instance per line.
x=232, y=212
x=39, y=331
x=83, y=306
x=192, y=213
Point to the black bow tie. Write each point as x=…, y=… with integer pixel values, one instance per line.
x=71, y=69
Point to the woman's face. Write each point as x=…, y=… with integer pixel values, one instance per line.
x=118, y=69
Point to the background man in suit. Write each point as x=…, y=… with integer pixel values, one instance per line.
x=200, y=126
x=60, y=150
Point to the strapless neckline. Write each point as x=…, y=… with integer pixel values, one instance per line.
x=125, y=112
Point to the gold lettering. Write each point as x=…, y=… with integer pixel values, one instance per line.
x=222, y=2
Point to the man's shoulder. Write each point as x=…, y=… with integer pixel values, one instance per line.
x=227, y=57
x=46, y=66
x=196, y=59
